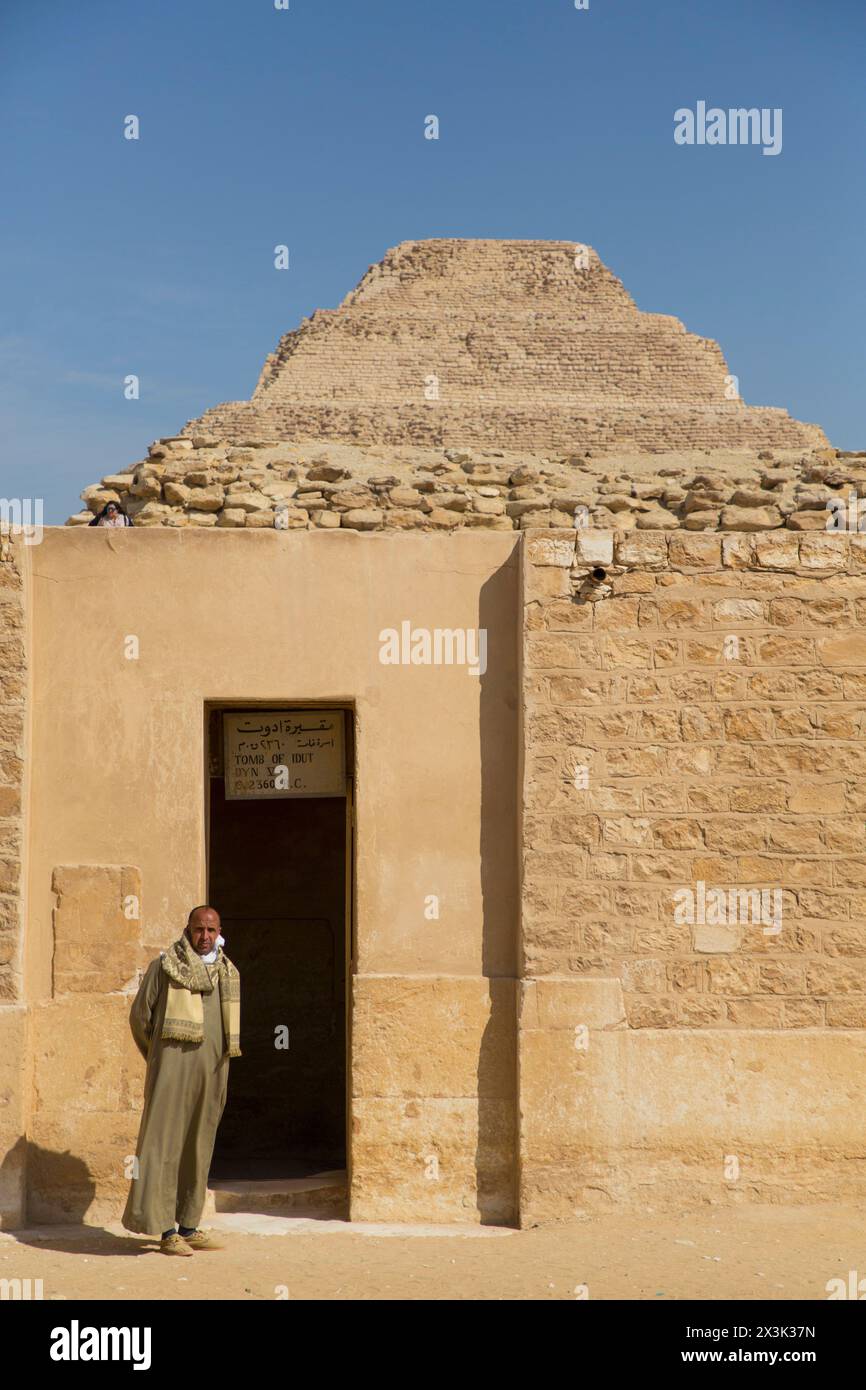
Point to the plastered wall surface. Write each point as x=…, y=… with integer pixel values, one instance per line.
x=118, y=799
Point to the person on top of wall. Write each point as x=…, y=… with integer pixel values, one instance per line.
x=186, y=1024
x=112, y=514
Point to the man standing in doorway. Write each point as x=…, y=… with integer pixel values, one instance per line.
x=186, y=1024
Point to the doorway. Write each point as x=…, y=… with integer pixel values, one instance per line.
x=279, y=872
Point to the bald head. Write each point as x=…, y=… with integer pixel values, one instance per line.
x=202, y=928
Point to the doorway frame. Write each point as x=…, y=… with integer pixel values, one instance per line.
x=219, y=705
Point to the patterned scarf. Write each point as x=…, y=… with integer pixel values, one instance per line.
x=188, y=979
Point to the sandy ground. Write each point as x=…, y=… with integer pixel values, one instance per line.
x=733, y=1253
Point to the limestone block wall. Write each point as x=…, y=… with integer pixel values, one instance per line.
x=86, y=1100
x=693, y=724
x=13, y=697
x=433, y=1106
x=13, y=738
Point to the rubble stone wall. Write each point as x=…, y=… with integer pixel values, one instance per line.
x=204, y=482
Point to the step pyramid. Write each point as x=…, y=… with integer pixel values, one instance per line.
x=512, y=344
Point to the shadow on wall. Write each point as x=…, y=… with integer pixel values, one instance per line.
x=499, y=725
x=59, y=1186
x=60, y=1192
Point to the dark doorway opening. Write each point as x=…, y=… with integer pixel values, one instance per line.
x=279, y=874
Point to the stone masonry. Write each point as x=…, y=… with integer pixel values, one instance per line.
x=258, y=487
x=13, y=695
x=470, y=342
x=713, y=690
x=14, y=1081
x=490, y=384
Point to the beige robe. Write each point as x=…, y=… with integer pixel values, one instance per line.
x=184, y=1098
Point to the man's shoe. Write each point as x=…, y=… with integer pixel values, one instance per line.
x=202, y=1240
x=174, y=1245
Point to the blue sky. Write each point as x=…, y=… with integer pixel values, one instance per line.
x=306, y=127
